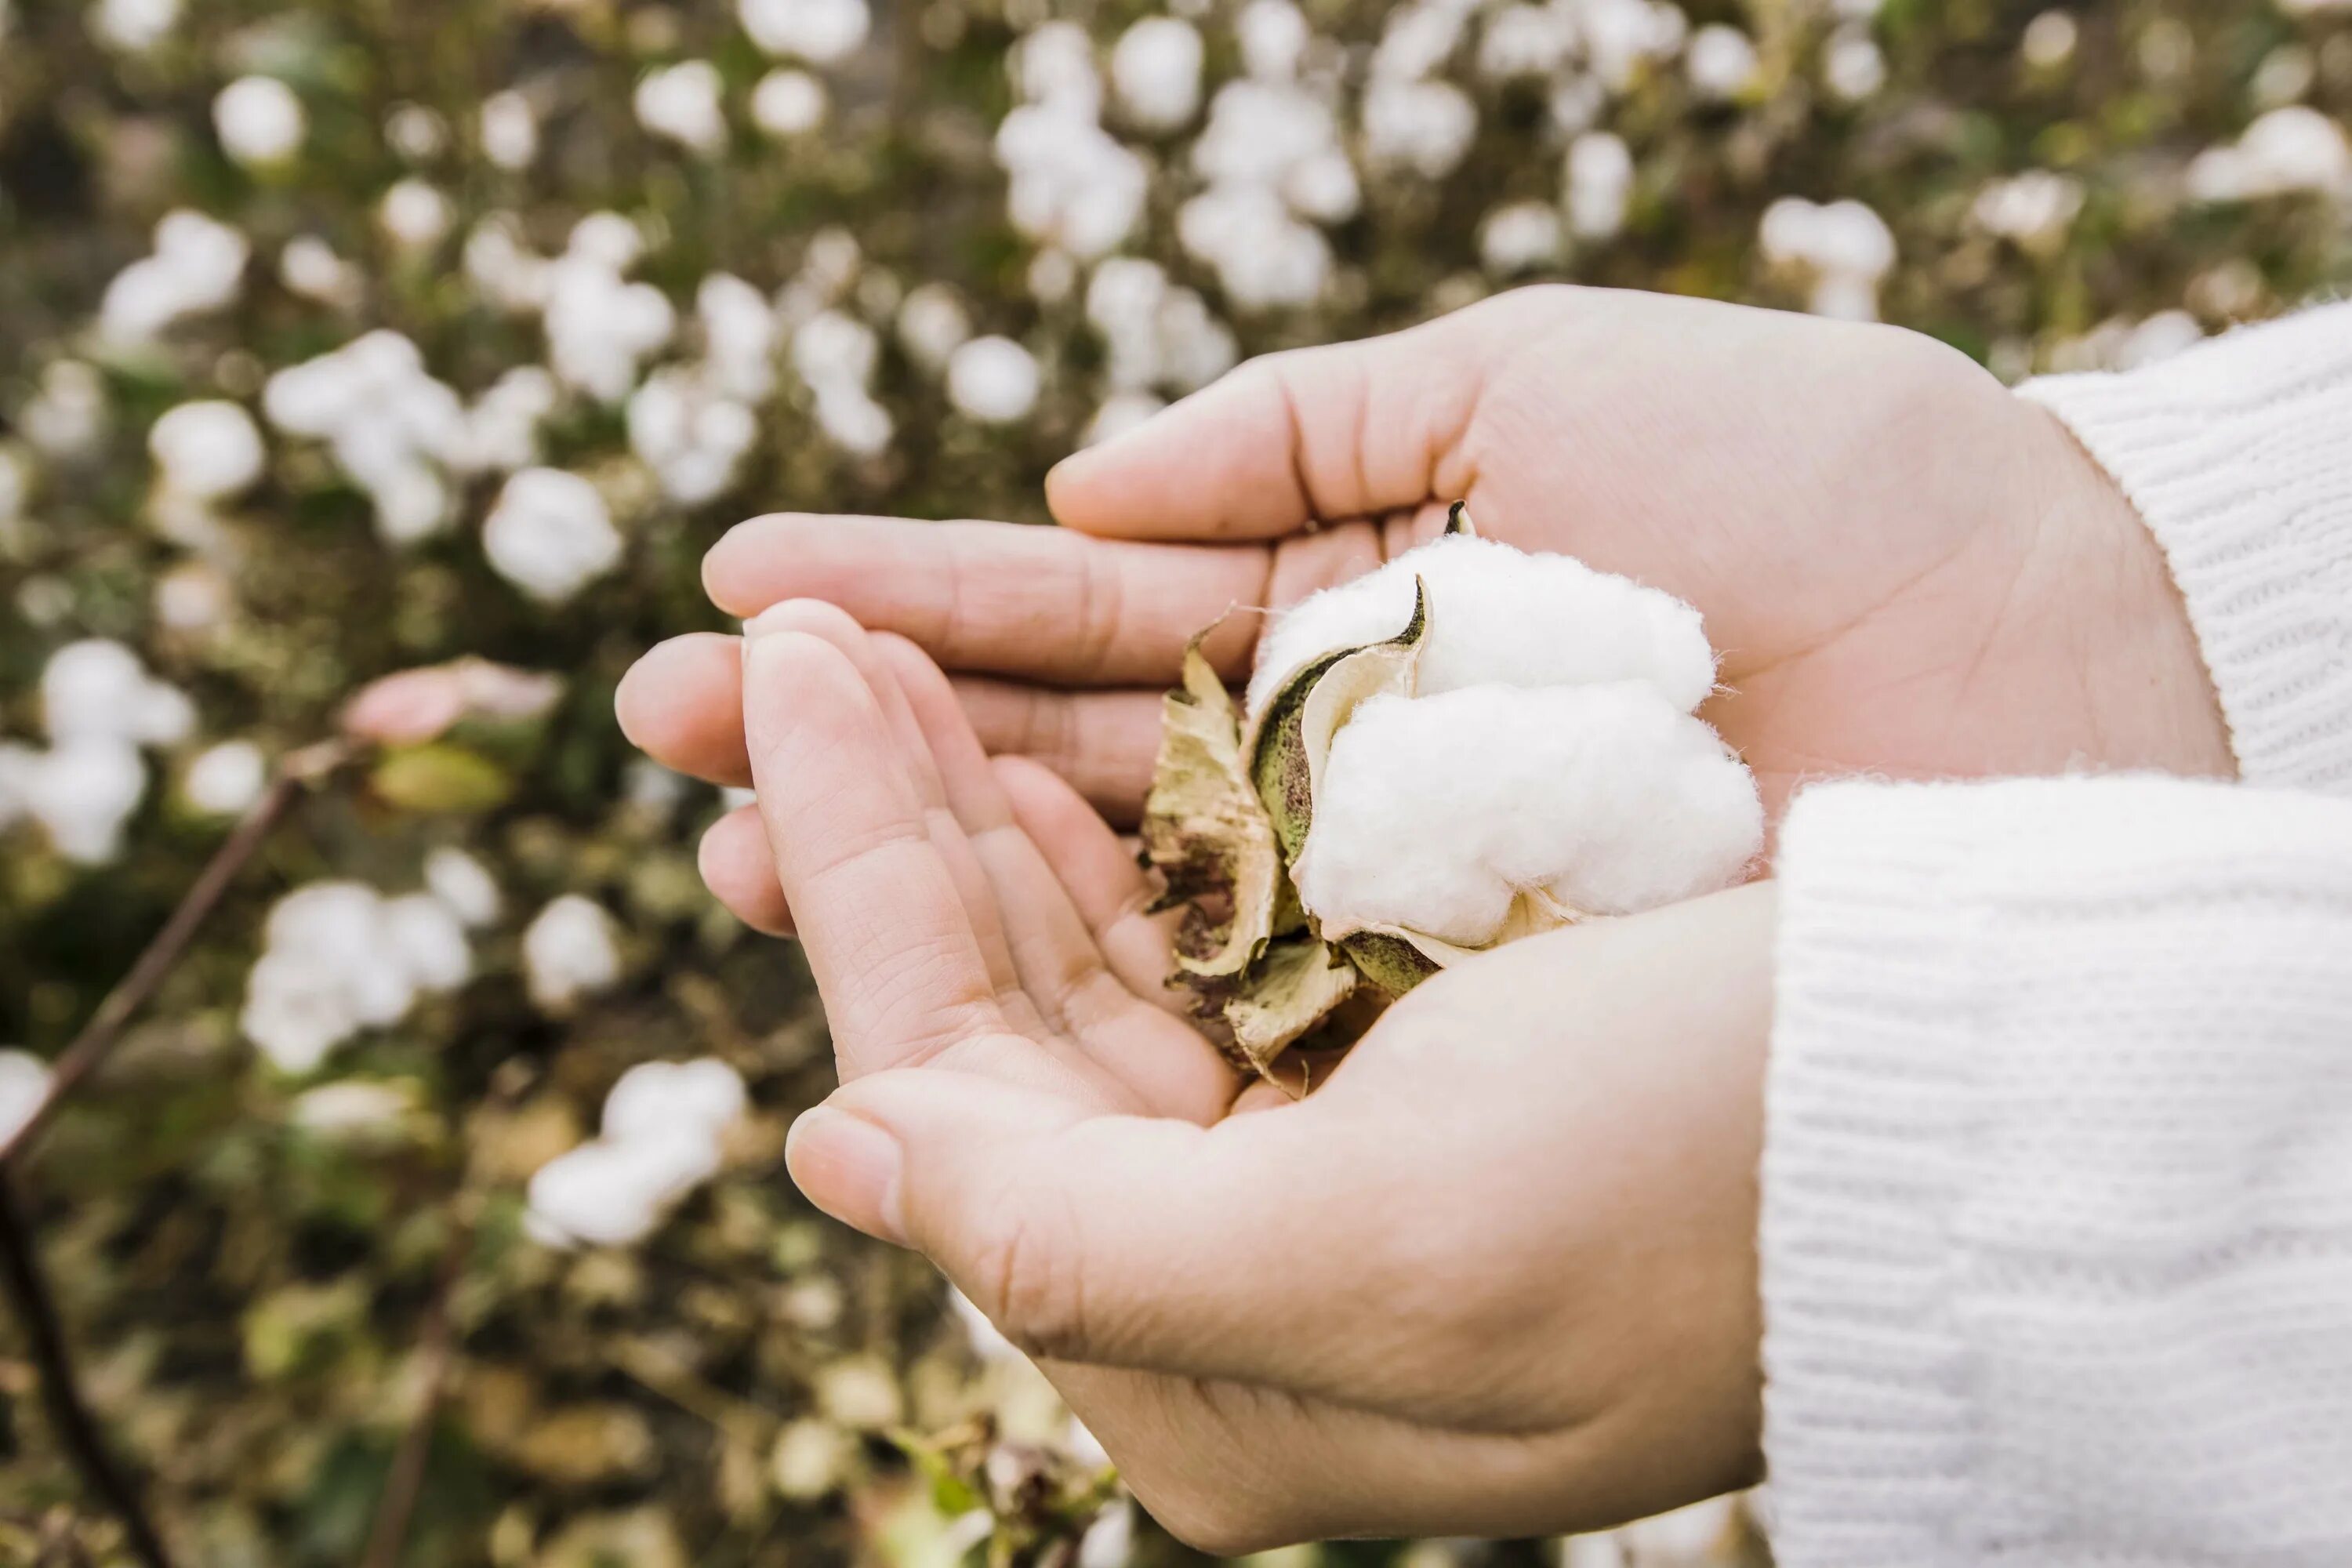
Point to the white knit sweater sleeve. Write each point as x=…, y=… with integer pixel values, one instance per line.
x=2057, y=1191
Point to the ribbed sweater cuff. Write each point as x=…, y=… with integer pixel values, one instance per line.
x=2239, y=455
x=1867, y=1414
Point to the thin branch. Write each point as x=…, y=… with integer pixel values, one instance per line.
x=77, y=1430
x=435, y=1350
x=98, y=1037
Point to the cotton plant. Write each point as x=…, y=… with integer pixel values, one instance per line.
x=197, y=266
x=100, y=706
x=662, y=1136
x=1327, y=840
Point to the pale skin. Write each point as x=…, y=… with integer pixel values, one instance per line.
x=1497, y=1275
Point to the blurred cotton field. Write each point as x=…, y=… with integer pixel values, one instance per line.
x=342, y=341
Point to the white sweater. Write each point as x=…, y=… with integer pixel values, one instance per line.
x=2057, y=1190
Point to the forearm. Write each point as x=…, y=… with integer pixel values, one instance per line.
x=2057, y=1226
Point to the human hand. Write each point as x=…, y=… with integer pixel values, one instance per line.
x=1908, y=571
x=1496, y=1275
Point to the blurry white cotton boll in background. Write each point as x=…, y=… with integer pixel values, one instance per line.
x=225, y=779
x=1425, y=126
x=2288, y=150
x=821, y=31
x=788, y=102
x=681, y=102
x=1520, y=238
x=599, y=327
x=1852, y=66
x=1599, y=185
x=83, y=792
x=510, y=130
x=551, y=535
x=2034, y=208
x=345, y=1111
x=415, y=214
x=569, y=952
x=134, y=27
x=207, y=450
x=1264, y=258
x=392, y=429
x=259, y=121
x=1274, y=36
x=1155, y=70
x=338, y=958
x=23, y=1084
x=1720, y=62
x=663, y=1128
x=740, y=334
x=310, y=268
x=98, y=689
x=2049, y=40
x=1842, y=248
x=196, y=267
x=992, y=379
x=464, y=884
x=692, y=438
x=68, y=411
x=932, y=324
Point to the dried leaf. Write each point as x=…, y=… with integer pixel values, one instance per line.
x=1205, y=831
x=1295, y=987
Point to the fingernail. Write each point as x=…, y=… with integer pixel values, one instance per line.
x=850, y=1168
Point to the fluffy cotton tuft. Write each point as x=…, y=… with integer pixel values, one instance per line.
x=569, y=952
x=259, y=121
x=1434, y=813
x=1155, y=68
x=992, y=379
x=207, y=450
x=23, y=1084
x=225, y=779
x=1501, y=617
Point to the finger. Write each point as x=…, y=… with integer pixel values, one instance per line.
x=1104, y=742
x=1112, y=893
x=1307, y=435
x=1166, y=1062
x=897, y=961
x=738, y=868
x=682, y=704
x=1041, y=603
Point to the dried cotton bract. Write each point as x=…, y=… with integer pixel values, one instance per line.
x=1327, y=838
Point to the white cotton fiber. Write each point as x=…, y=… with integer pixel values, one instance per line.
x=1499, y=616
x=1434, y=813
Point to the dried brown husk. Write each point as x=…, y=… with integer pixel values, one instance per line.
x=1298, y=983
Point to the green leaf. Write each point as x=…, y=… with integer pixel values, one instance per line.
x=438, y=777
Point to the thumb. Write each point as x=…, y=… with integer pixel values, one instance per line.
x=1118, y=1240
x=1305, y=436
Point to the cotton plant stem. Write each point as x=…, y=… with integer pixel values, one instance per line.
x=90, y=1048
x=77, y=1430
x=403, y=1483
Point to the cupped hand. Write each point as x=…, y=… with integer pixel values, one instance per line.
x=1908, y=571
x=1495, y=1277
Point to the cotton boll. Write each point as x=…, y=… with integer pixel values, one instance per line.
x=2034, y=208
x=309, y=267
x=83, y=792
x=296, y=1011
x=1274, y=37
x=1852, y=66
x=1155, y=68
x=1264, y=259
x=225, y=779
x=424, y=936
x=259, y=121
x=510, y=130
x=95, y=688
x=1523, y=41
x=599, y=1194
x=933, y=323
x=740, y=334
x=1520, y=238
x=834, y=350
x=1500, y=617
x=823, y=31
x=2049, y=40
x=993, y=379
x=134, y=27
x=681, y=102
x=569, y=952
x=415, y=214
x=23, y=1085
x=350, y=1109
x=1425, y=126
x=1720, y=62
x=549, y=535
x=1109, y=1540
x=853, y=421
x=207, y=450
x=787, y=103
x=652, y=1098
x=463, y=884
x=1599, y=185
x=195, y=268
x=1434, y=813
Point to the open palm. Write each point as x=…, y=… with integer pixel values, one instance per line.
x=1908, y=571
x=1263, y=1316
